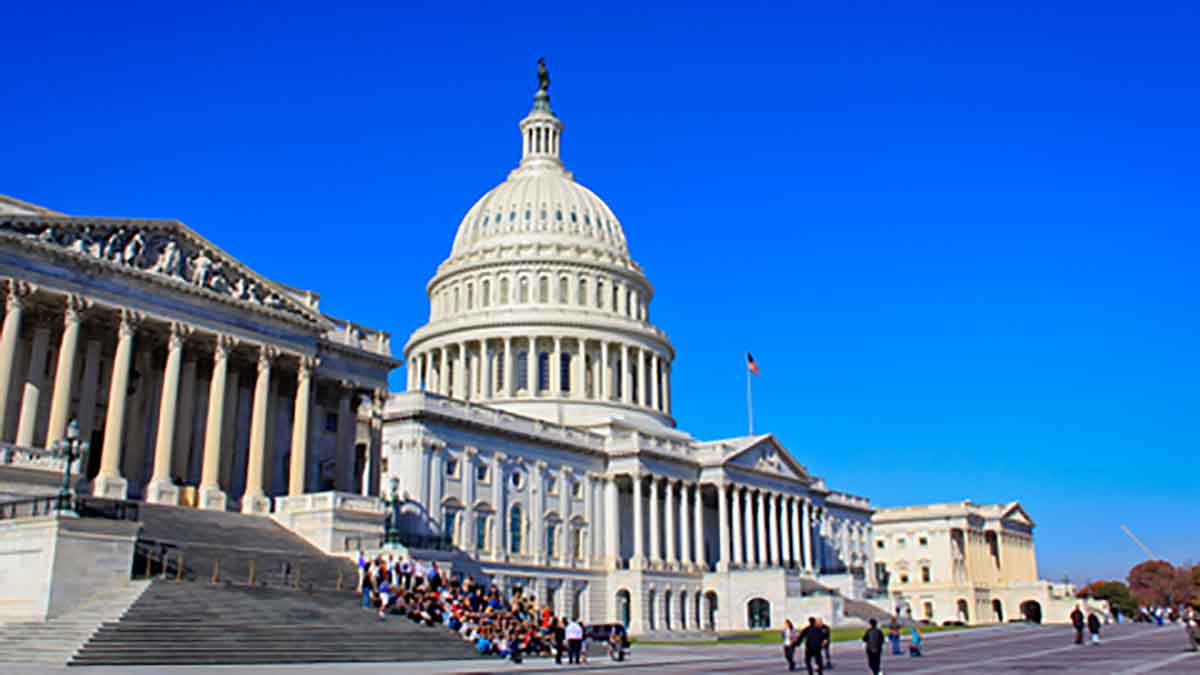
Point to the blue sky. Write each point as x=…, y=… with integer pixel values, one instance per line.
x=961, y=243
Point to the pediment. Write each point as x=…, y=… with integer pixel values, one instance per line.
x=161, y=250
x=1017, y=514
x=766, y=455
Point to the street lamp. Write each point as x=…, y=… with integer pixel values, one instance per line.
x=70, y=450
x=391, y=528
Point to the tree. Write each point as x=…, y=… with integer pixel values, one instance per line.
x=1158, y=582
x=1115, y=592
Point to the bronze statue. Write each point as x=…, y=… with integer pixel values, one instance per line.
x=543, y=76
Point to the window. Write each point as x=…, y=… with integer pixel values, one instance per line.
x=599, y=294
x=551, y=485
x=504, y=291
x=904, y=578
x=551, y=532
x=516, y=522
x=926, y=577
x=517, y=479
x=577, y=543
x=582, y=299
x=543, y=383
x=879, y=544
x=470, y=296
x=522, y=370
x=450, y=524
x=482, y=525
x=331, y=422
x=564, y=372
x=485, y=293
x=577, y=489
x=923, y=541
x=523, y=291
x=558, y=215
x=456, y=299
x=482, y=473
x=543, y=290
x=564, y=290
x=929, y=610
x=452, y=467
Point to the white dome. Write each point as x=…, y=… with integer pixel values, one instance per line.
x=543, y=205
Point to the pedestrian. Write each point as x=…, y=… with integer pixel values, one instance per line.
x=812, y=638
x=874, y=645
x=914, y=645
x=1093, y=624
x=826, y=636
x=894, y=634
x=1077, y=622
x=406, y=569
x=557, y=636
x=362, y=569
x=574, y=635
x=789, y=644
x=1191, y=625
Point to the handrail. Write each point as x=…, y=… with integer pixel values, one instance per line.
x=86, y=507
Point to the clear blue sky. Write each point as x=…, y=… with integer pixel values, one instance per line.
x=961, y=243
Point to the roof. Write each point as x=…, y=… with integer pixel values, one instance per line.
x=14, y=206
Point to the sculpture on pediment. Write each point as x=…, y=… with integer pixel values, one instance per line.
x=133, y=249
x=169, y=260
x=201, y=269
x=48, y=235
x=114, y=245
x=87, y=243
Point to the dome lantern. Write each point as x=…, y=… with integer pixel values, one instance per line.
x=541, y=130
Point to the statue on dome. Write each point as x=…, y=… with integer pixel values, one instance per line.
x=543, y=76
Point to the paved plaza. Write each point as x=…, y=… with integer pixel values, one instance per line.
x=1126, y=650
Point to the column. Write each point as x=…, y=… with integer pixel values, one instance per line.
x=773, y=525
x=612, y=519
x=161, y=490
x=35, y=381
x=655, y=515
x=654, y=380
x=556, y=368
x=806, y=530
x=762, y=529
x=463, y=388
x=14, y=304
x=468, y=483
x=537, y=511
x=698, y=530
x=641, y=376
x=739, y=542
x=424, y=382
x=794, y=505
x=626, y=385
x=297, y=478
x=666, y=387
x=579, y=385
x=510, y=377
x=89, y=388
x=443, y=371
x=109, y=482
x=211, y=496
x=605, y=381
x=685, y=528
x=639, y=543
x=500, y=518
x=672, y=557
x=184, y=423
x=589, y=517
x=722, y=529
x=255, y=499
x=485, y=371
x=435, y=476
x=533, y=369
x=564, y=511
x=64, y=372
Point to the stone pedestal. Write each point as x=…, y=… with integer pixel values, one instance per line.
x=112, y=487
x=52, y=564
x=162, y=492
x=212, y=499
x=256, y=504
x=335, y=522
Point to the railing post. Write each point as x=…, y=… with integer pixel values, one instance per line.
x=297, y=575
x=339, y=581
x=178, y=566
x=250, y=580
x=149, y=560
x=216, y=575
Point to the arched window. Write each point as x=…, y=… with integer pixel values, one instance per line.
x=551, y=540
x=683, y=610
x=503, y=290
x=667, y=600
x=577, y=543
x=623, y=607
x=456, y=299
x=583, y=296
x=516, y=522
x=600, y=294
x=651, y=605
x=483, y=524
x=710, y=618
x=758, y=613
x=615, y=294
x=564, y=290
x=485, y=293
x=523, y=291
x=630, y=303
x=543, y=290
x=470, y=296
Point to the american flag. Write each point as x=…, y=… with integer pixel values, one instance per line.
x=751, y=364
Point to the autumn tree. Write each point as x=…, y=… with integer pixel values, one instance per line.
x=1115, y=592
x=1158, y=582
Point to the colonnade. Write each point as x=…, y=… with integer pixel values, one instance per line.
x=564, y=367
x=186, y=348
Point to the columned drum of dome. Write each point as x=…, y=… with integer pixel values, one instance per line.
x=540, y=309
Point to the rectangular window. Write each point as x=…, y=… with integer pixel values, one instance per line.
x=578, y=544
x=481, y=473
x=452, y=467
x=551, y=485
x=543, y=371
x=481, y=532
x=923, y=541
x=577, y=490
x=448, y=524
x=564, y=373
x=925, y=575
x=550, y=532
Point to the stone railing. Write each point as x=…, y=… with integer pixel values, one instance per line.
x=635, y=441
x=357, y=336
x=34, y=458
x=845, y=499
x=473, y=413
x=329, y=501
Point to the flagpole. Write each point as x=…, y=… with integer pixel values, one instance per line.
x=749, y=402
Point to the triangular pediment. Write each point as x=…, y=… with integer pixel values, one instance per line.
x=1017, y=514
x=165, y=251
x=765, y=454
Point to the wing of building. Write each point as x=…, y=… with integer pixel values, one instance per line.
x=537, y=432
x=965, y=562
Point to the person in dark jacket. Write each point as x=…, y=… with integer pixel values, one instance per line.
x=558, y=637
x=826, y=636
x=1077, y=622
x=874, y=643
x=1093, y=624
x=812, y=638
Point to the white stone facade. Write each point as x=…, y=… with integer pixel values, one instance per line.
x=537, y=432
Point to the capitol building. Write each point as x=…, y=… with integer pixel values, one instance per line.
x=537, y=432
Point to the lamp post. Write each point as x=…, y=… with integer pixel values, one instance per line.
x=70, y=449
x=391, y=530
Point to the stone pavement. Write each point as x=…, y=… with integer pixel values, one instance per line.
x=1125, y=650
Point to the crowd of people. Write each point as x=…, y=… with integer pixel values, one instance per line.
x=493, y=623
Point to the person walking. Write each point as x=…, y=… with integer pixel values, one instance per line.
x=811, y=638
x=894, y=634
x=558, y=637
x=874, y=646
x=574, y=635
x=789, y=643
x=1077, y=622
x=1191, y=625
x=914, y=644
x=1093, y=624
x=826, y=636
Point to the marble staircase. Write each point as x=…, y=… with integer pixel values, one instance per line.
x=57, y=640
